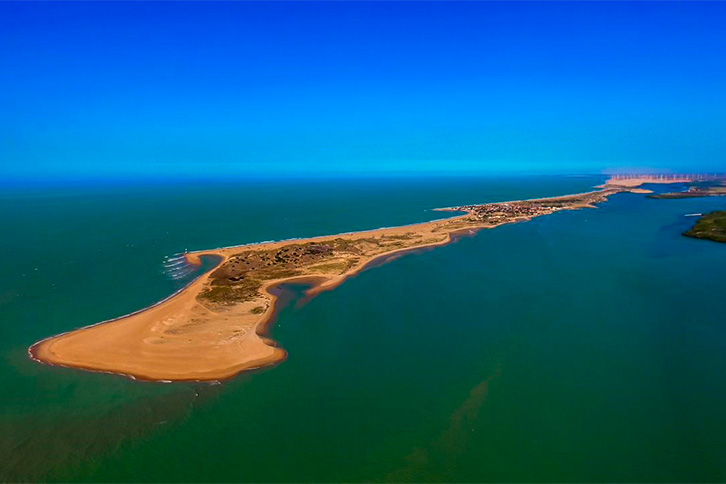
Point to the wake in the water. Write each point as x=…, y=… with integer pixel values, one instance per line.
x=177, y=267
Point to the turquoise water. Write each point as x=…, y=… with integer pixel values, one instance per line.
x=582, y=346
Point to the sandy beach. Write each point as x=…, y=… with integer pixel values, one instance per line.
x=218, y=326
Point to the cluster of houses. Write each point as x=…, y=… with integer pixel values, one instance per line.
x=502, y=212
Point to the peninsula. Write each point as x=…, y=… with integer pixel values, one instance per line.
x=711, y=226
x=217, y=326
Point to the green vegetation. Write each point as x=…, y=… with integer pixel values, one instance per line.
x=258, y=310
x=276, y=273
x=352, y=246
x=338, y=267
x=711, y=227
x=246, y=290
x=406, y=236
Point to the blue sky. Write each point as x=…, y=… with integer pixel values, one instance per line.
x=228, y=89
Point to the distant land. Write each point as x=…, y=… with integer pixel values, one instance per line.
x=217, y=326
x=712, y=186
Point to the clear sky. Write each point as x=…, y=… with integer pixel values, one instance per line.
x=132, y=89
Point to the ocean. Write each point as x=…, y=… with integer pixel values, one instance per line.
x=583, y=346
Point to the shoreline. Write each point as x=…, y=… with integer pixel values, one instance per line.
x=234, y=337
x=32, y=350
x=264, y=326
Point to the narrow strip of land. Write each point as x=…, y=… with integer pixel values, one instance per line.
x=217, y=326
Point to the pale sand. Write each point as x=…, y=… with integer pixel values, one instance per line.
x=186, y=338
x=641, y=180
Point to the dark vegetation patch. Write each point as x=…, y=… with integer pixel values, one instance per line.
x=711, y=226
x=677, y=195
x=240, y=278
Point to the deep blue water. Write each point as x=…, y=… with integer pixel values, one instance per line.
x=582, y=346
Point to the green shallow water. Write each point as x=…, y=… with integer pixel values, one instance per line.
x=582, y=346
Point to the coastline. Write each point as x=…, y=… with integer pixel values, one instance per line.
x=185, y=337
x=710, y=226
x=39, y=353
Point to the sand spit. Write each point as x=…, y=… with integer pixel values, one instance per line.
x=218, y=326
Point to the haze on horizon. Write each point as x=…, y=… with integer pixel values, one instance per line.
x=230, y=89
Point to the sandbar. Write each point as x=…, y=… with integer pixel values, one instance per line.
x=218, y=326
